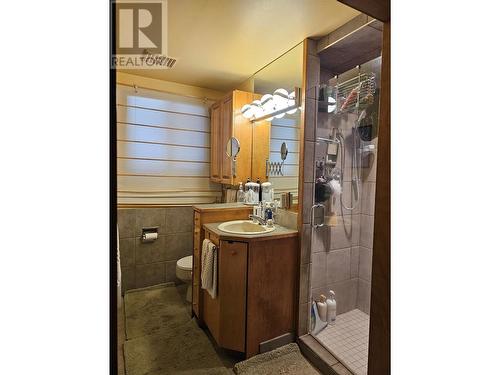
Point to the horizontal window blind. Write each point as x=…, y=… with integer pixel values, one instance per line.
x=286, y=129
x=163, y=148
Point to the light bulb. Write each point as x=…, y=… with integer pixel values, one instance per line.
x=332, y=104
x=247, y=111
x=291, y=103
x=267, y=103
x=257, y=109
x=280, y=97
x=291, y=98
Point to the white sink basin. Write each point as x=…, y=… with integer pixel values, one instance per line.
x=247, y=227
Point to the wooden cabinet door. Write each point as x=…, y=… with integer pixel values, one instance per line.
x=215, y=135
x=226, y=134
x=232, y=293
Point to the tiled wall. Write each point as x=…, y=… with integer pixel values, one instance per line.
x=338, y=257
x=368, y=177
x=310, y=110
x=335, y=249
x=147, y=264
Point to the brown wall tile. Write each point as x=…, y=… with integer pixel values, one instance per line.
x=354, y=262
x=318, y=270
x=368, y=200
x=305, y=244
x=304, y=283
x=343, y=234
x=307, y=202
x=311, y=110
x=363, y=301
x=338, y=265
x=179, y=219
x=309, y=161
x=179, y=245
x=365, y=263
x=150, y=217
x=150, y=252
x=149, y=274
x=128, y=279
x=366, y=236
x=127, y=252
x=346, y=293
x=321, y=239
x=170, y=271
x=126, y=222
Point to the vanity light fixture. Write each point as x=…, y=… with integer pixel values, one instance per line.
x=272, y=106
x=332, y=104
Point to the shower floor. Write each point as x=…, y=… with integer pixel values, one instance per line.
x=347, y=340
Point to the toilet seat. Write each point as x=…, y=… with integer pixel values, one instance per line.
x=186, y=263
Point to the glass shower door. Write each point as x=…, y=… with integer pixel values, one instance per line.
x=342, y=214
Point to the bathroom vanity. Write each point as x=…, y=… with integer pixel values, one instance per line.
x=257, y=289
x=209, y=213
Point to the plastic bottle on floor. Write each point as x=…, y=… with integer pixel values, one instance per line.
x=322, y=308
x=331, y=307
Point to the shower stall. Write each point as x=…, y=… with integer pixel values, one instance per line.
x=342, y=217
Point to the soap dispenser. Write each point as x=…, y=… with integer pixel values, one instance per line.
x=331, y=307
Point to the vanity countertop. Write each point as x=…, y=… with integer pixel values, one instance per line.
x=219, y=206
x=279, y=232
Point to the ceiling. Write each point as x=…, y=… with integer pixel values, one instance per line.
x=220, y=43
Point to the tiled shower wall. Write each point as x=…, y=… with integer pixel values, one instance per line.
x=340, y=256
x=147, y=264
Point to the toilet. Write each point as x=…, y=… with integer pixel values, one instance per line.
x=183, y=271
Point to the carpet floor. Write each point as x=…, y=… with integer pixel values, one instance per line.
x=285, y=360
x=162, y=338
x=150, y=310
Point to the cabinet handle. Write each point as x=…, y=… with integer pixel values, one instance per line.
x=233, y=252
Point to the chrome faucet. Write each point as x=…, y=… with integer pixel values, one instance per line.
x=257, y=218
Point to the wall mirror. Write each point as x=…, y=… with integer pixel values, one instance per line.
x=276, y=140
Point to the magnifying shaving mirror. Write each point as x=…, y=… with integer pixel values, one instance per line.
x=232, y=147
x=284, y=151
x=232, y=150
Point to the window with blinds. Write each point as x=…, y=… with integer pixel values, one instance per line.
x=163, y=148
x=286, y=129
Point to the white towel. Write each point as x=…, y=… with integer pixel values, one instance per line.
x=209, y=267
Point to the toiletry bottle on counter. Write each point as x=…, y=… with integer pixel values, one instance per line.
x=240, y=196
x=331, y=307
x=260, y=189
x=322, y=308
x=268, y=213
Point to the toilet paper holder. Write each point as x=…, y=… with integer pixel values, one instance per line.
x=149, y=234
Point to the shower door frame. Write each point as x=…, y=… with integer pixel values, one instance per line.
x=379, y=336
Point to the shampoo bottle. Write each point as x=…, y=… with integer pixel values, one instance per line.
x=240, y=196
x=331, y=307
x=322, y=308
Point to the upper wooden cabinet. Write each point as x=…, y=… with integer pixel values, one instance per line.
x=226, y=122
